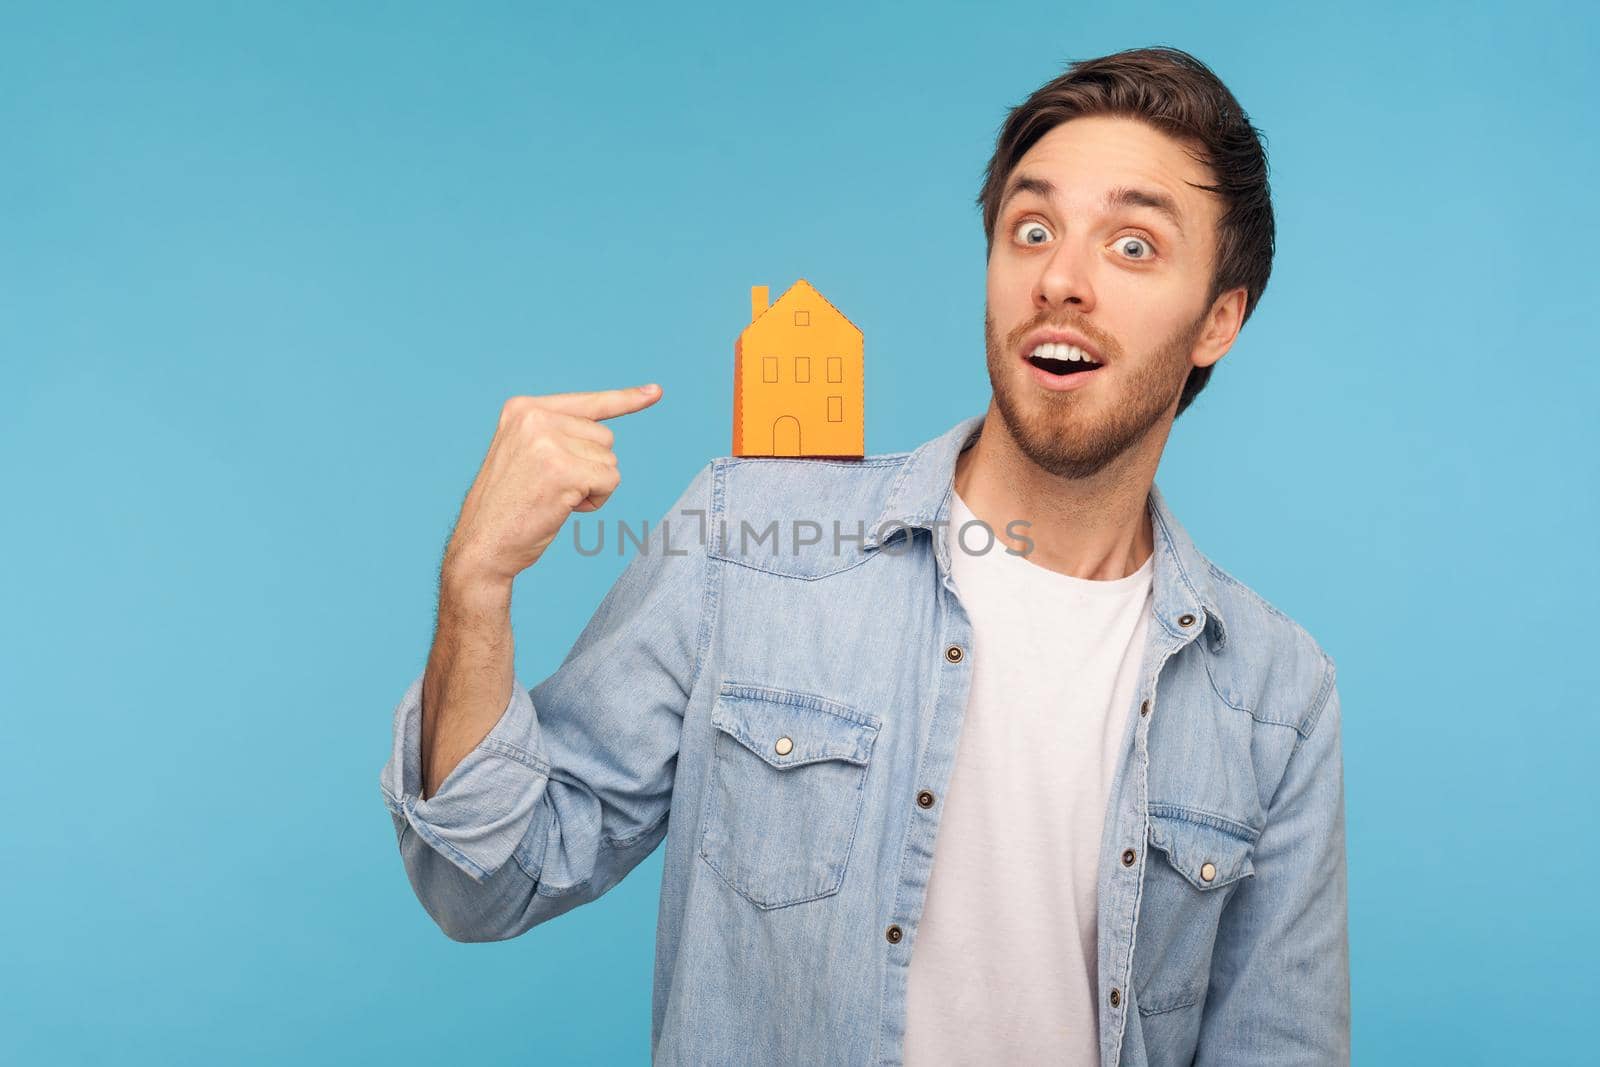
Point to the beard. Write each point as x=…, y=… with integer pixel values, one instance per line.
x=1077, y=434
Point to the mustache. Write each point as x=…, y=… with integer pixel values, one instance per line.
x=1100, y=338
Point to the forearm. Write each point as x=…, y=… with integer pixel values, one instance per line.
x=469, y=675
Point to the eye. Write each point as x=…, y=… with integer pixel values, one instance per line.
x=1135, y=247
x=1029, y=229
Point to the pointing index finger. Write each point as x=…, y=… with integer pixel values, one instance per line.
x=603, y=403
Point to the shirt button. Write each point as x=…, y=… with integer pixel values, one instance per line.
x=1207, y=872
x=1128, y=857
x=954, y=653
x=1185, y=620
x=893, y=934
x=1116, y=997
x=784, y=746
x=924, y=799
x=1144, y=709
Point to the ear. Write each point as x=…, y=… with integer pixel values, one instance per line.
x=1221, y=327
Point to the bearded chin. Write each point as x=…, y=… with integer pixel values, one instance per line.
x=1073, y=436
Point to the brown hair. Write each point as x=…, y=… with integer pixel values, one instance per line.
x=1177, y=94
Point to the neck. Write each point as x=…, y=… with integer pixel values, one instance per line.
x=1096, y=528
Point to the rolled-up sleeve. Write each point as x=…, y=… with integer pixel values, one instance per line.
x=571, y=788
x=483, y=808
x=1280, y=975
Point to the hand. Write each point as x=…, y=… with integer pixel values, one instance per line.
x=550, y=456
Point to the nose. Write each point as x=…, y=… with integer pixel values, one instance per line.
x=1064, y=279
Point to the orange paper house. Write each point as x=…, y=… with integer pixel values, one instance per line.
x=798, y=379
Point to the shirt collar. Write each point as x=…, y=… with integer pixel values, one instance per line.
x=1182, y=580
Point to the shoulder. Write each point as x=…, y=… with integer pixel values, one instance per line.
x=801, y=487
x=1271, y=666
x=797, y=516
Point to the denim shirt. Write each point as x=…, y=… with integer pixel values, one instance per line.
x=791, y=701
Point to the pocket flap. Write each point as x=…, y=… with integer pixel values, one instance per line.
x=1198, y=845
x=787, y=729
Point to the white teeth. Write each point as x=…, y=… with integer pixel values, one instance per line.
x=1061, y=351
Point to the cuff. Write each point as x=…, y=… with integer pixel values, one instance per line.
x=484, y=806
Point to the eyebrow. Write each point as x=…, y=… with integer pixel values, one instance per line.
x=1121, y=196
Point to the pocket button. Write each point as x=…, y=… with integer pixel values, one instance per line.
x=1207, y=872
x=784, y=746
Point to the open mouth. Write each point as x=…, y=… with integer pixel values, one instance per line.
x=1061, y=360
x=1061, y=367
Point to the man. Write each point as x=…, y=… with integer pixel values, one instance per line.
x=1129, y=762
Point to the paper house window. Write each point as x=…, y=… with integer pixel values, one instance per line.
x=802, y=318
x=802, y=368
x=836, y=409
x=835, y=369
x=769, y=369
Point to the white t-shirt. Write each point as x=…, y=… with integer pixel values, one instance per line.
x=1004, y=966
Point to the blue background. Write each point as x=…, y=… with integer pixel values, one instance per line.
x=266, y=277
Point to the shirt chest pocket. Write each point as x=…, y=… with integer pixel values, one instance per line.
x=785, y=792
x=1196, y=863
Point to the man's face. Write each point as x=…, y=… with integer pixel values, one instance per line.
x=1081, y=247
